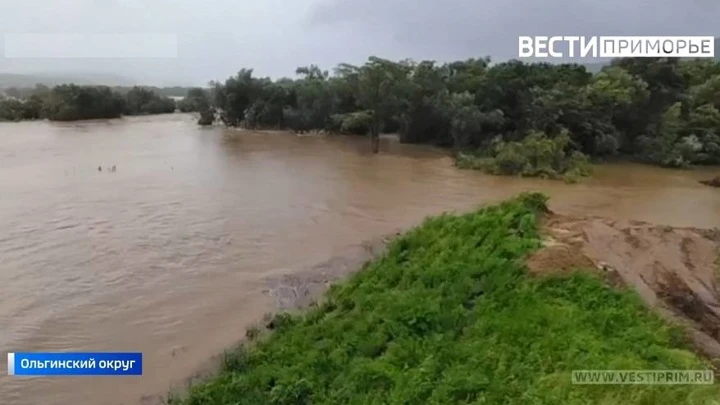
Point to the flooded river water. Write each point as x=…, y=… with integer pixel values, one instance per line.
x=169, y=253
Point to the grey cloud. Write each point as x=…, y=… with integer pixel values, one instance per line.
x=461, y=28
x=218, y=37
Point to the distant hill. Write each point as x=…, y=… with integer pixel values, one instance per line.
x=8, y=80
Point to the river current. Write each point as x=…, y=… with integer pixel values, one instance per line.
x=169, y=253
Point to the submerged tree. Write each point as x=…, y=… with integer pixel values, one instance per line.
x=143, y=101
x=198, y=100
x=382, y=88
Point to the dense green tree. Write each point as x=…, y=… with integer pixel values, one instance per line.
x=207, y=117
x=382, y=89
x=312, y=99
x=656, y=109
x=707, y=92
x=702, y=132
x=617, y=95
x=425, y=117
x=466, y=124
x=72, y=102
x=666, y=85
x=266, y=110
x=195, y=100
x=12, y=110
x=235, y=96
x=143, y=101
x=198, y=100
x=466, y=76
x=355, y=123
x=698, y=71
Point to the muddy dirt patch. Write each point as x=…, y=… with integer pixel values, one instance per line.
x=558, y=258
x=673, y=269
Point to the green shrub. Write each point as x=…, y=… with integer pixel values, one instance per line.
x=356, y=123
x=536, y=155
x=207, y=117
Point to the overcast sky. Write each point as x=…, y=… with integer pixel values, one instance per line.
x=215, y=38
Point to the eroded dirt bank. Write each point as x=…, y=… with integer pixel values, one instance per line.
x=674, y=270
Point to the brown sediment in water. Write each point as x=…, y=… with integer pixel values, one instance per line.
x=170, y=255
x=300, y=289
x=673, y=269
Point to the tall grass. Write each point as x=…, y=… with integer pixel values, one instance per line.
x=449, y=316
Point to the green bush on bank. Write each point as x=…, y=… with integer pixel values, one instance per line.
x=355, y=123
x=70, y=102
x=449, y=316
x=536, y=155
x=16, y=110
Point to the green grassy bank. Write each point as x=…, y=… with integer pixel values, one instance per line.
x=449, y=316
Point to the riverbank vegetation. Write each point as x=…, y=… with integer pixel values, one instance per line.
x=27, y=91
x=449, y=315
x=536, y=155
x=198, y=100
x=71, y=102
x=660, y=111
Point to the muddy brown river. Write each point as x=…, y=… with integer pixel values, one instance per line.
x=169, y=254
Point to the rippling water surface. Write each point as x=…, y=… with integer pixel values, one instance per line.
x=169, y=254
